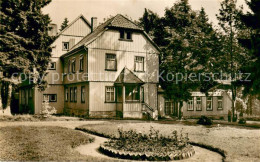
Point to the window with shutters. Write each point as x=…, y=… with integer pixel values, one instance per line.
x=111, y=63
x=110, y=94
x=139, y=64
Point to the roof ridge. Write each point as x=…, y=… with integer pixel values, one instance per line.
x=130, y=21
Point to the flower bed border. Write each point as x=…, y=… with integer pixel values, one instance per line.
x=144, y=156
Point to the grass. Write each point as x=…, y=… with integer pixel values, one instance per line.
x=42, y=143
x=236, y=143
x=36, y=118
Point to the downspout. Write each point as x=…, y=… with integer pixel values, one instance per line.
x=86, y=49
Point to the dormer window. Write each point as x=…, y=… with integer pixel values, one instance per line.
x=125, y=35
x=65, y=46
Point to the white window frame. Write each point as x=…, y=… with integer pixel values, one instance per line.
x=211, y=103
x=220, y=99
x=83, y=94
x=190, y=105
x=48, y=97
x=73, y=65
x=81, y=63
x=54, y=67
x=63, y=46
x=199, y=105
x=109, y=91
x=109, y=58
x=139, y=64
x=168, y=108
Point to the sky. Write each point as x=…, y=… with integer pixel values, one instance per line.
x=59, y=9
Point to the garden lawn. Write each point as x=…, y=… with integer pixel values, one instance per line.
x=239, y=144
x=42, y=143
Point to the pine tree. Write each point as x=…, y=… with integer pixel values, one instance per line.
x=252, y=22
x=64, y=24
x=25, y=44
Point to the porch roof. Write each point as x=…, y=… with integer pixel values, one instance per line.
x=127, y=76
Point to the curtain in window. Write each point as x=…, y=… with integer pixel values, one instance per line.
x=132, y=93
x=111, y=62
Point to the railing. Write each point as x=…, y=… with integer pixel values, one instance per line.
x=149, y=110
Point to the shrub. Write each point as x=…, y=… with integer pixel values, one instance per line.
x=154, y=146
x=242, y=121
x=47, y=110
x=203, y=120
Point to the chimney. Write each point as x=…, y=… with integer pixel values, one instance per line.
x=53, y=30
x=93, y=23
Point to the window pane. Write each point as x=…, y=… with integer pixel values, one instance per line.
x=139, y=63
x=75, y=94
x=128, y=35
x=132, y=93
x=71, y=94
x=110, y=94
x=81, y=63
x=122, y=34
x=111, y=61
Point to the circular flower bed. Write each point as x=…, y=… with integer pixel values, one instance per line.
x=138, y=146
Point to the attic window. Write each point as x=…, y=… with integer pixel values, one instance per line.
x=125, y=35
x=65, y=46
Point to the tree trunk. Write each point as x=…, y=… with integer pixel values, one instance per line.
x=1, y=106
x=180, y=106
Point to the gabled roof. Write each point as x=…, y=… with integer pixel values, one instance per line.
x=79, y=17
x=121, y=21
x=118, y=21
x=127, y=76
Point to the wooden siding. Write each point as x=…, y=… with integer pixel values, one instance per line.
x=79, y=28
x=52, y=89
x=57, y=45
x=77, y=108
x=78, y=76
x=97, y=72
x=97, y=97
x=55, y=76
x=110, y=40
x=132, y=110
x=137, y=107
x=76, y=31
x=215, y=112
